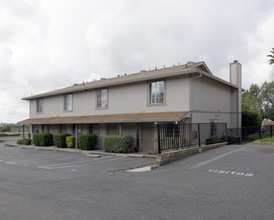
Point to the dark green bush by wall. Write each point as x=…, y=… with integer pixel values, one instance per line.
x=24, y=142
x=42, y=139
x=60, y=140
x=87, y=141
x=230, y=139
x=213, y=140
x=118, y=144
x=36, y=139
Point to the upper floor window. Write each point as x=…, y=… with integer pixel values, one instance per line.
x=157, y=92
x=102, y=98
x=39, y=105
x=68, y=102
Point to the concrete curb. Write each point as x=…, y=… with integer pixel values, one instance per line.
x=170, y=156
x=86, y=152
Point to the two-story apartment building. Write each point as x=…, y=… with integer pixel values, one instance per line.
x=131, y=104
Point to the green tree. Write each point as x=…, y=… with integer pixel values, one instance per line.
x=271, y=60
x=6, y=128
x=267, y=96
x=260, y=98
x=251, y=118
x=252, y=98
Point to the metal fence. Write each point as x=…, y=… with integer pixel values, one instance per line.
x=247, y=134
x=172, y=136
x=176, y=136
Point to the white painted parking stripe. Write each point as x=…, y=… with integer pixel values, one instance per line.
x=217, y=158
x=60, y=165
x=33, y=161
x=66, y=165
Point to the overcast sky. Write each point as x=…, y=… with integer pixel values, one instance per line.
x=49, y=44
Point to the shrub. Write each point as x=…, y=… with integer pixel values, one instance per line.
x=60, y=140
x=42, y=139
x=118, y=144
x=36, y=139
x=46, y=139
x=24, y=142
x=70, y=141
x=230, y=139
x=212, y=140
x=87, y=141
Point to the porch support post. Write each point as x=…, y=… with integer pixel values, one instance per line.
x=159, y=144
x=23, y=131
x=76, y=136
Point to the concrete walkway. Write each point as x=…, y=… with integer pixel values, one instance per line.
x=12, y=143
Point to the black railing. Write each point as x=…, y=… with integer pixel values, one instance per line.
x=176, y=136
x=247, y=134
x=172, y=136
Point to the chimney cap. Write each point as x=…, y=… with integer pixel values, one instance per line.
x=235, y=61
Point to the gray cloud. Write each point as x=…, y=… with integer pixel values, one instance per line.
x=46, y=44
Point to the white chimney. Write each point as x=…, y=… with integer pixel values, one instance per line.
x=236, y=79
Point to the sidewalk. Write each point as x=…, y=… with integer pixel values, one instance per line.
x=12, y=143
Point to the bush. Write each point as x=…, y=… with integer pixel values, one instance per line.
x=24, y=142
x=36, y=139
x=118, y=144
x=213, y=140
x=230, y=139
x=42, y=139
x=70, y=141
x=87, y=141
x=60, y=140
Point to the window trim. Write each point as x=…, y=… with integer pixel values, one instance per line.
x=42, y=108
x=64, y=103
x=96, y=100
x=149, y=94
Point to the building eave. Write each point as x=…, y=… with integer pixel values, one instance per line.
x=111, y=118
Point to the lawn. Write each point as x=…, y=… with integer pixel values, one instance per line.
x=264, y=140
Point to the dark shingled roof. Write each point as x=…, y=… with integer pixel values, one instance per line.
x=190, y=67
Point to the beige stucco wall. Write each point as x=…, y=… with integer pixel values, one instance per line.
x=212, y=100
x=132, y=98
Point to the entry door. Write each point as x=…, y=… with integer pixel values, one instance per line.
x=147, y=137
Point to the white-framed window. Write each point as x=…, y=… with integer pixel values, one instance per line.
x=157, y=92
x=39, y=105
x=102, y=98
x=68, y=102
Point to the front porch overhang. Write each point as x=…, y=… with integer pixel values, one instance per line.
x=110, y=118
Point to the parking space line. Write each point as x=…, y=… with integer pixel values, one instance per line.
x=33, y=161
x=217, y=158
x=66, y=165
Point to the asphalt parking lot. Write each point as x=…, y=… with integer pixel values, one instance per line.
x=232, y=182
x=67, y=161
